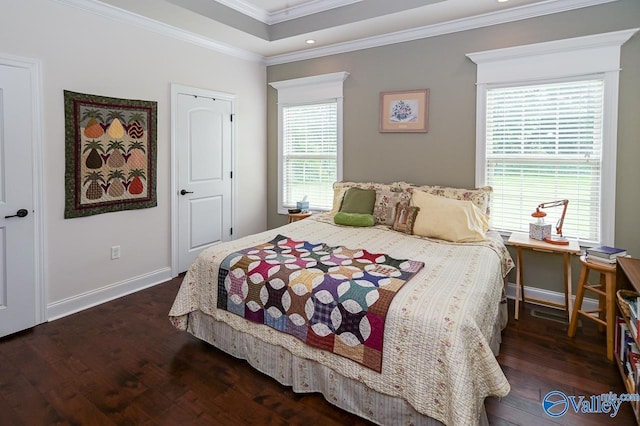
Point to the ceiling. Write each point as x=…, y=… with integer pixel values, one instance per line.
x=277, y=30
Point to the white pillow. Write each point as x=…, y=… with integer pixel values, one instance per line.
x=448, y=219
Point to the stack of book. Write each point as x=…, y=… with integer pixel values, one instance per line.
x=604, y=254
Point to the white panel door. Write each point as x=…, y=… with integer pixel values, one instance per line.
x=17, y=232
x=204, y=158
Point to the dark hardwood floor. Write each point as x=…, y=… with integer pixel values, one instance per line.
x=123, y=363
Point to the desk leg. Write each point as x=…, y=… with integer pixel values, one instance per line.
x=567, y=285
x=519, y=282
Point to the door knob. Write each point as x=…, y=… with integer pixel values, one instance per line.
x=19, y=213
x=185, y=192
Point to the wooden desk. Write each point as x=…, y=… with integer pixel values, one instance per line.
x=522, y=241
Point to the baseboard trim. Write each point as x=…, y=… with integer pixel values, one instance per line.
x=72, y=305
x=550, y=295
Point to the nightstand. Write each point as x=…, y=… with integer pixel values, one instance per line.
x=522, y=241
x=294, y=217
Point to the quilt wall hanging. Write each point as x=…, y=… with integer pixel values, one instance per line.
x=332, y=298
x=110, y=149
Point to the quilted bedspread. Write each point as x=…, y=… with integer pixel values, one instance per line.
x=332, y=298
x=437, y=353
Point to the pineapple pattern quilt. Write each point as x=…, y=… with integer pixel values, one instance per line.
x=110, y=148
x=332, y=298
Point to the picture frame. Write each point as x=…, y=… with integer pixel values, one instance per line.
x=404, y=111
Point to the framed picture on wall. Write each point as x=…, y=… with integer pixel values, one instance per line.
x=404, y=111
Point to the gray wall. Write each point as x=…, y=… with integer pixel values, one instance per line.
x=446, y=154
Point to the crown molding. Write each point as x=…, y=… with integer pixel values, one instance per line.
x=248, y=9
x=287, y=14
x=611, y=39
x=485, y=20
x=306, y=9
x=331, y=78
x=547, y=7
x=121, y=15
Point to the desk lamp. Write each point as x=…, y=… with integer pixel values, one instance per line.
x=540, y=216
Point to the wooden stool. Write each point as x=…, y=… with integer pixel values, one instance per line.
x=606, y=291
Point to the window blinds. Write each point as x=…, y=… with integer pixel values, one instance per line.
x=544, y=143
x=310, y=151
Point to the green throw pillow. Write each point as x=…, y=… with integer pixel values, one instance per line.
x=357, y=200
x=354, y=219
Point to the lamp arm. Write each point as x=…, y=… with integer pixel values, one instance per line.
x=560, y=222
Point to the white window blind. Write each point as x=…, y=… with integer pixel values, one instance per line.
x=309, y=154
x=544, y=143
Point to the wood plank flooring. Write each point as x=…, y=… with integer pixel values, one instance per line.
x=123, y=363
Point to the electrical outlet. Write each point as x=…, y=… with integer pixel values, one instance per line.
x=115, y=252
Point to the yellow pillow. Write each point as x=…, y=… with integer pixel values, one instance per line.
x=448, y=219
x=338, y=195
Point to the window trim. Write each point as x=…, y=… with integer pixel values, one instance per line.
x=305, y=91
x=557, y=60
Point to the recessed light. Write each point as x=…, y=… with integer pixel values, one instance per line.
x=310, y=41
x=502, y=1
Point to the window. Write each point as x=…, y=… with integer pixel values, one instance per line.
x=309, y=153
x=309, y=140
x=544, y=143
x=547, y=130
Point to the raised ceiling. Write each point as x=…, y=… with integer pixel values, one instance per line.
x=276, y=30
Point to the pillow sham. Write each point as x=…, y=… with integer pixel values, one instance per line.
x=405, y=218
x=387, y=198
x=354, y=219
x=481, y=197
x=357, y=200
x=448, y=219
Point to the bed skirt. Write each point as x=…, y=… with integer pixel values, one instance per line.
x=306, y=376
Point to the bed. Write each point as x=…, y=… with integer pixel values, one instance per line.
x=441, y=335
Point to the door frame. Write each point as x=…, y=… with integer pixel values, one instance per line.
x=178, y=89
x=34, y=67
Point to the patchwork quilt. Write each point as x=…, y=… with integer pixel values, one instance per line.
x=332, y=298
